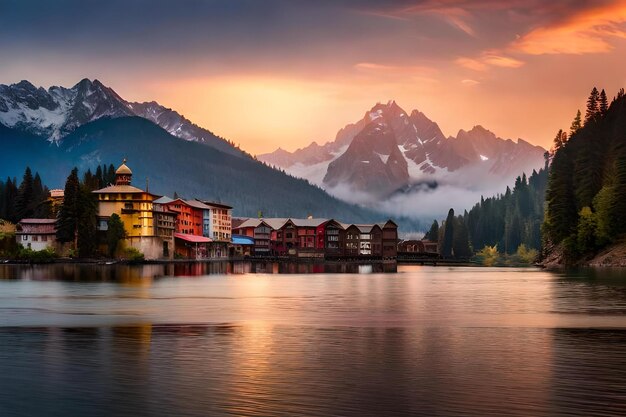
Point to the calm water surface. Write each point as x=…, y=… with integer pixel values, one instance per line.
x=308, y=340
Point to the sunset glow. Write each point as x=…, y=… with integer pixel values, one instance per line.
x=288, y=73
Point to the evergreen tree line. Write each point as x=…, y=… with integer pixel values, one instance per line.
x=28, y=199
x=586, y=195
x=76, y=221
x=506, y=220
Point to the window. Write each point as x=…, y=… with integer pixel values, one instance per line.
x=44, y=238
x=25, y=237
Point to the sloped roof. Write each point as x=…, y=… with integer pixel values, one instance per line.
x=192, y=238
x=219, y=205
x=37, y=221
x=163, y=200
x=197, y=204
x=308, y=222
x=250, y=223
x=275, y=223
x=127, y=189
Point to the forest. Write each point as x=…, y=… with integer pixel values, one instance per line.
x=586, y=194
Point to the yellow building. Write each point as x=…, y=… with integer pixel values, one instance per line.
x=134, y=206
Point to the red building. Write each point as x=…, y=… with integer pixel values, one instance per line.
x=188, y=217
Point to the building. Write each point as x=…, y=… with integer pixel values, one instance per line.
x=136, y=210
x=335, y=239
x=418, y=247
x=389, y=239
x=36, y=234
x=164, y=223
x=220, y=221
x=320, y=238
x=242, y=246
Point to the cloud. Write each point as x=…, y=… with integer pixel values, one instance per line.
x=469, y=82
x=587, y=31
x=487, y=60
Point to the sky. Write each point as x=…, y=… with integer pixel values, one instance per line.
x=283, y=73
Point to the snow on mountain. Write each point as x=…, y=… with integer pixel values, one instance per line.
x=392, y=156
x=58, y=111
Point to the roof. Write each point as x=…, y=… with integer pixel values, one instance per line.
x=275, y=223
x=237, y=221
x=197, y=204
x=163, y=200
x=251, y=223
x=242, y=240
x=192, y=238
x=38, y=221
x=123, y=169
x=219, y=205
x=308, y=222
x=128, y=189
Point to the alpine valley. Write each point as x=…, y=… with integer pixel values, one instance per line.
x=402, y=163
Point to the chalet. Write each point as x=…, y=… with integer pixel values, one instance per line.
x=389, y=239
x=36, y=234
x=334, y=239
x=260, y=231
x=310, y=237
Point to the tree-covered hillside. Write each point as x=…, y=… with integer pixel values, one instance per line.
x=586, y=197
x=170, y=165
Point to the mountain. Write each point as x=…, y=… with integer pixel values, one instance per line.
x=391, y=154
x=58, y=111
x=168, y=165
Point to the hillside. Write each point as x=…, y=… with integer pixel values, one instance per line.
x=586, y=197
x=172, y=165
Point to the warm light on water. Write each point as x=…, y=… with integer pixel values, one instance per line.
x=216, y=339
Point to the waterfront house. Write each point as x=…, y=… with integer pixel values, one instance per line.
x=220, y=221
x=135, y=208
x=242, y=246
x=389, y=239
x=36, y=234
x=335, y=239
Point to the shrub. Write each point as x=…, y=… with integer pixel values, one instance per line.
x=133, y=255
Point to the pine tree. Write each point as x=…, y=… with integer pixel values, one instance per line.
x=559, y=140
x=25, y=197
x=561, y=216
x=433, y=233
x=115, y=233
x=576, y=124
x=460, y=239
x=86, y=222
x=67, y=222
x=448, y=235
x=603, y=103
x=592, y=106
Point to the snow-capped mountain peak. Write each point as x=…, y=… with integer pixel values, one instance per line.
x=56, y=112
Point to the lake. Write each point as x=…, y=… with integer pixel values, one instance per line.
x=265, y=339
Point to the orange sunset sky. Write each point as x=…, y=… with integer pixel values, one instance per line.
x=283, y=73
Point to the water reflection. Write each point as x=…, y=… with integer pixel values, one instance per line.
x=422, y=341
x=261, y=369
x=136, y=273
